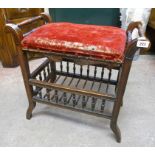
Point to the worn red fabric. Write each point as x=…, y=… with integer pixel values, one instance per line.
x=105, y=42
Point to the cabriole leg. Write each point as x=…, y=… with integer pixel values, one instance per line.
x=26, y=75
x=30, y=109
x=114, y=127
x=119, y=98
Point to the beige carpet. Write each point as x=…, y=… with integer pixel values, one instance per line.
x=56, y=127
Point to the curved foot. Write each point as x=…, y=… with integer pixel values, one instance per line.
x=116, y=131
x=28, y=115
x=29, y=111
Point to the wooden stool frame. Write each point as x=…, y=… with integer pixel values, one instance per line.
x=44, y=78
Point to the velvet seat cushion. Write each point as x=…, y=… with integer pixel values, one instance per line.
x=104, y=42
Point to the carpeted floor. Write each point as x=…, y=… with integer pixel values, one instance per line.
x=58, y=127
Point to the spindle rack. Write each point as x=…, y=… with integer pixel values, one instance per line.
x=84, y=88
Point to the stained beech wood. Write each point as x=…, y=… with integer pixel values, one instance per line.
x=30, y=80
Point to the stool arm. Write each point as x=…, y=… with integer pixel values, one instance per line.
x=46, y=17
x=134, y=25
x=43, y=16
x=16, y=32
x=131, y=46
x=16, y=29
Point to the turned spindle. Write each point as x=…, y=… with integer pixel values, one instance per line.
x=65, y=98
x=56, y=96
x=74, y=100
x=84, y=101
x=93, y=103
x=103, y=105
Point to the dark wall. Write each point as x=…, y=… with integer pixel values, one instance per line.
x=98, y=16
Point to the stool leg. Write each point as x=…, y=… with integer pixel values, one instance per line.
x=122, y=103
x=29, y=110
x=119, y=98
x=114, y=127
x=26, y=76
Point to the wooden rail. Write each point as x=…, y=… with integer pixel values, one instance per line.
x=71, y=90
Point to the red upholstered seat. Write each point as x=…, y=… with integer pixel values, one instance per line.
x=105, y=42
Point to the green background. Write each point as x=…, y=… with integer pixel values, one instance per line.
x=98, y=16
